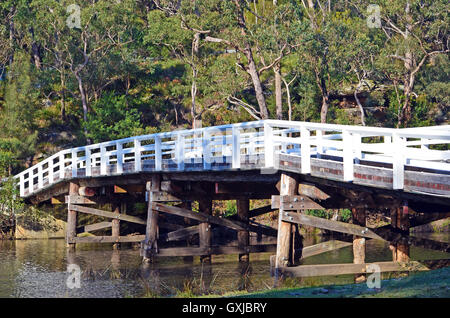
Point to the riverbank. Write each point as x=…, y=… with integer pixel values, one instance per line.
x=432, y=284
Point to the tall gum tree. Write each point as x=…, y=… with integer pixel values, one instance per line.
x=416, y=31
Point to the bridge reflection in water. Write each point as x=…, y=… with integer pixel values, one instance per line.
x=38, y=268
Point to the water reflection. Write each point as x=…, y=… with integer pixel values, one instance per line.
x=38, y=268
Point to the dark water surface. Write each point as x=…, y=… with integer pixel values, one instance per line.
x=38, y=268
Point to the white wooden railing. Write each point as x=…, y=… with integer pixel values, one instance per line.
x=222, y=147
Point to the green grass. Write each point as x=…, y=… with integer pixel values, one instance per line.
x=432, y=284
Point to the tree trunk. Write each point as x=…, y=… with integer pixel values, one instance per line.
x=278, y=91
x=361, y=109
x=193, y=101
x=252, y=70
x=259, y=92
x=83, y=96
x=36, y=55
x=63, y=96
x=288, y=93
x=83, y=102
x=409, y=63
x=324, y=109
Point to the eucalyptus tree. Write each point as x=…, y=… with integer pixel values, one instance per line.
x=416, y=31
x=80, y=41
x=276, y=35
x=228, y=25
x=19, y=132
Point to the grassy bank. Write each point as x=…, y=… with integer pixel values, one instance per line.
x=435, y=284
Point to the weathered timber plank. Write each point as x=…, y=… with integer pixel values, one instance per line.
x=427, y=182
x=106, y=214
x=260, y=211
x=262, y=229
x=165, y=197
x=77, y=199
x=179, y=234
x=312, y=192
x=214, y=250
x=94, y=227
x=235, y=225
x=108, y=239
x=323, y=247
x=331, y=225
x=294, y=202
x=344, y=269
x=419, y=220
x=373, y=176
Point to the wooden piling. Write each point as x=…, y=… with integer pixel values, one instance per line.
x=289, y=186
x=71, y=231
x=243, y=207
x=359, y=243
x=205, y=233
x=150, y=245
x=115, y=227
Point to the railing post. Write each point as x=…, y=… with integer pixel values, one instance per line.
x=284, y=143
x=40, y=176
x=119, y=148
x=62, y=166
x=88, y=162
x=236, y=148
x=50, y=171
x=347, y=149
x=268, y=146
x=158, y=153
x=319, y=138
x=137, y=155
x=31, y=181
x=423, y=143
x=22, y=185
x=103, y=162
x=398, y=161
x=206, y=150
x=179, y=151
x=357, y=140
x=74, y=164
x=305, y=150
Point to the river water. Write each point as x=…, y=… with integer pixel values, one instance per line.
x=38, y=268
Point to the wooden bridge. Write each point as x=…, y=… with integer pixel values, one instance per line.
x=298, y=165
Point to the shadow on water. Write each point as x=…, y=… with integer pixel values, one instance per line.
x=38, y=268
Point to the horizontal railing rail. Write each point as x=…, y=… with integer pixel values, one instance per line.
x=221, y=147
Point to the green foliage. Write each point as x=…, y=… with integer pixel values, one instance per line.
x=112, y=118
x=143, y=68
x=18, y=134
x=231, y=208
x=344, y=215
x=10, y=204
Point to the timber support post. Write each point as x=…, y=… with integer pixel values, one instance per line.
x=115, y=226
x=150, y=246
x=359, y=243
x=205, y=232
x=71, y=231
x=243, y=206
x=289, y=186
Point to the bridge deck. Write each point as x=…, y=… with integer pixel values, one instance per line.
x=406, y=160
